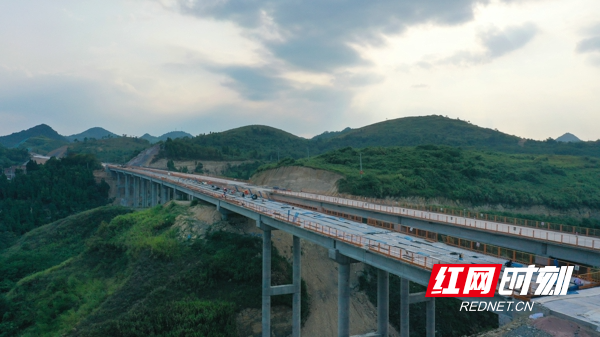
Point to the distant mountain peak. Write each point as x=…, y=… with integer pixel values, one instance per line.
x=17, y=138
x=172, y=135
x=95, y=132
x=568, y=138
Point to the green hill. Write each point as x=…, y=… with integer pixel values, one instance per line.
x=17, y=138
x=412, y=131
x=10, y=157
x=96, y=133
x=110, y=272
x=42, y=144
x=266, y=144
x=172, y=135
x=111, y=150
x=466, y=175
x=248, y=142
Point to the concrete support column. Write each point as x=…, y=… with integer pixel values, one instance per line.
x=404, y=307
x=154, y=190
x=343, y=299
x=383, y=302
x=118, y=185
x=430, y=322
x=127, y=190
x=136, y=192
x=266, y=283
x=296, y=301
x=163, y=194
x=144, y=193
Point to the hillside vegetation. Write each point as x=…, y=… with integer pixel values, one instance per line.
x=47, y=193
x=10, y=157
x=115, y=273
x=96, y=132
x=172, y=135
x=42, y=144
x=477, y=177
x=266, y=144
x=16, y=138
x=110, y=150
x=248, y=142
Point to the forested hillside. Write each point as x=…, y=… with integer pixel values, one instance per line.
x=95, y=132
x=117, y=150
x=15, y=139
x=109, y=272
x=10, y=157
x=47, y=193
x=474, y=176
x=267, y=144
x=249, y=142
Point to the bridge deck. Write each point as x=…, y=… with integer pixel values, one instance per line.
x=507, y=229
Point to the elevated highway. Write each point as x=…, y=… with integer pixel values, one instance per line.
x=539, y=241
x=347, y=241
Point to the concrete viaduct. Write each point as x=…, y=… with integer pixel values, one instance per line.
x=147, y=188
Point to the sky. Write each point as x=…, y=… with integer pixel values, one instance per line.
x=530, y=68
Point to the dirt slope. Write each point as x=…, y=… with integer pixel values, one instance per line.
x=299, y=178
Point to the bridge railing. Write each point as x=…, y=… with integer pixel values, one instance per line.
x=542, y=233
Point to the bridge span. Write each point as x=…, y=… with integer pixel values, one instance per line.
x=347, y=242
x=540, y=241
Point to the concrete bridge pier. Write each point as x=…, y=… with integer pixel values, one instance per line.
x=404, y=307
x=268, y=290
x=163, y=194
x=343, y=291
x=127, y=190
x=406, y=299
x=136, y=192
x=383, y=302
x=144, y=193
x=118, y=185
x=430, y=319
x=154, y=188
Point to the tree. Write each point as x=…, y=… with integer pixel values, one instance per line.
x=171, y=166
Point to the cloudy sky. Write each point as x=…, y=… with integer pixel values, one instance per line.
x=527, y=67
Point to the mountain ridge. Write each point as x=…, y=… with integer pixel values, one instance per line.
x=17, y=138
x=164, y=137
x=95, y=132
